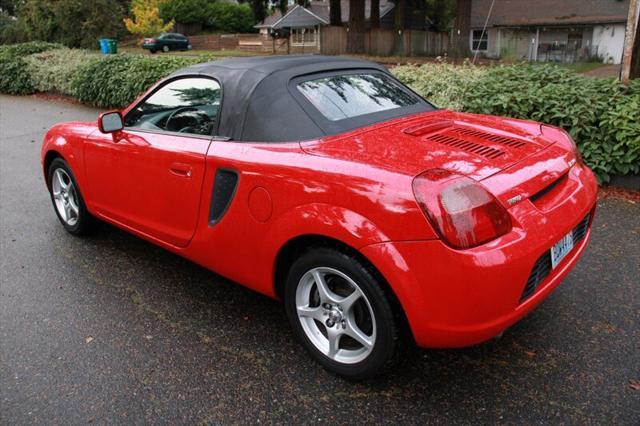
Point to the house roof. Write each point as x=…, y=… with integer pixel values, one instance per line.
x=319, y=11
x=548, y=12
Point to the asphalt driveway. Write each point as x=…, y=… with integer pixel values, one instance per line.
x=112, y=329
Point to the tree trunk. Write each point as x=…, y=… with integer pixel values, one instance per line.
x=635, y=61
x=335, y=13
x=355, y=36
x=399, y=19
x=375, y=13
x=461, y=28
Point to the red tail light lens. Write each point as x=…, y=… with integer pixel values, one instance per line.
x=461, y=210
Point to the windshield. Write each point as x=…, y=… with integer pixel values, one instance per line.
x=350, y=95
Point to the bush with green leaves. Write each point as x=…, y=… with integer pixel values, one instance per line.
x=117, y=80
x=602, y=116
x=54, y=71
x=14, y=77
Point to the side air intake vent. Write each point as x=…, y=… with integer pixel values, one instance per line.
x=224, y=188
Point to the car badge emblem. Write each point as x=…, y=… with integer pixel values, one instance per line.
x=514, y=200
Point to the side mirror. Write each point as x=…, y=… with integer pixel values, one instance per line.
x=110, y=122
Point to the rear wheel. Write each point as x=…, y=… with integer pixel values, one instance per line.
x=67, y=199
x=165, y=48
x=339, y=311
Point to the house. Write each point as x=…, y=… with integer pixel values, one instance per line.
x=303, y=24
x=549, y=30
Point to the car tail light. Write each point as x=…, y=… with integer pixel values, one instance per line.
x=461, y=210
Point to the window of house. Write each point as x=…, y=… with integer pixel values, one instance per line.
x=305, y=36
x=479, y=41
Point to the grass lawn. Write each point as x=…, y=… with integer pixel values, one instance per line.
x=581, y=67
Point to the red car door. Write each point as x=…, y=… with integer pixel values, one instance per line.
x=149, y=176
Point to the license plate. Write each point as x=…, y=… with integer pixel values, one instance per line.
x=561, y=249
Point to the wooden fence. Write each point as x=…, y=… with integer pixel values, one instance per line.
x=380, y=42
x=333, y=41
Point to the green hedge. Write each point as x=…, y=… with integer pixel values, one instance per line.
x=112, y=81
x=602, y=116
x=14, y=77
x=117, y=80
x=56, y=70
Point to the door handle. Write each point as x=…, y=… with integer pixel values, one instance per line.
x=181, y=169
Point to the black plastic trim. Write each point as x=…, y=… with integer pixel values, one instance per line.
x=222, y=194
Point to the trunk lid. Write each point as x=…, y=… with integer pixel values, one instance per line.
x=472, y=145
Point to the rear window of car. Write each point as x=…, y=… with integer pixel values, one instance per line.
x=340, y=97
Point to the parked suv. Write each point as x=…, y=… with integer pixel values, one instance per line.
x=167, y=42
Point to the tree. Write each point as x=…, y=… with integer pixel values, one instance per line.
x=259, y=9
x=71, y=22
x=399, y=20
x=10, y=7
x=230, y=17
x=335, y=12
x=375, y=14
x=184, y=11
x=441, y=13
x=355, y=36
x=147, y=21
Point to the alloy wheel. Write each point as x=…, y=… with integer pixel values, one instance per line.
x=65, y=197
x=336, y=315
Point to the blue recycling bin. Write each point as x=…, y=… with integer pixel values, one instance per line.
x=104, y=46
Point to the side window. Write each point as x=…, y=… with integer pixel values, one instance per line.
x=187, y=105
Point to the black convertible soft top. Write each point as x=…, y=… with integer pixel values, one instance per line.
x=259, y=105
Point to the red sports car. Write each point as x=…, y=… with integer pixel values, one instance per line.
x=325, y=182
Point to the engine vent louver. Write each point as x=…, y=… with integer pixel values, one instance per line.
x=465, y=145
x=502, y=140
x=476, y=141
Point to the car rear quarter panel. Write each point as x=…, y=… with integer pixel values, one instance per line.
x=309, y=195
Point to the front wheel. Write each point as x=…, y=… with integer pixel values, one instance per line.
x=67, y=199
x=165, y=49
x=340, y=312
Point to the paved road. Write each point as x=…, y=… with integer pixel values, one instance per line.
x=113, y=329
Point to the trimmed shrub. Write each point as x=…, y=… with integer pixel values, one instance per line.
x=442, y=84
x=25, y=49
x=14, y=76
x=117, y=80
x=602, y=116
x=55, y=70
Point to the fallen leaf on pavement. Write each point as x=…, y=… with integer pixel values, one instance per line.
x=88, y=339
x=634, y=384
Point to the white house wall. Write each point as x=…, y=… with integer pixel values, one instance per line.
x=609, y=40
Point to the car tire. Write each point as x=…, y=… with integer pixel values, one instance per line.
x=153, y=51
x=165, y=49
x=352, y=303
x=67, y=199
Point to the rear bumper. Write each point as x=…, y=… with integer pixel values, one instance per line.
x=457, y=298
